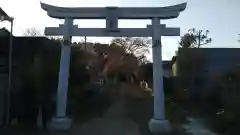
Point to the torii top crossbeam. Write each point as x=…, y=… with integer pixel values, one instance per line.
x=121, y=13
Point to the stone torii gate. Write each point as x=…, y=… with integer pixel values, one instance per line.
x=158, y=123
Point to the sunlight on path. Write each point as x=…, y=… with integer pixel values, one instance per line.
x=197, y=127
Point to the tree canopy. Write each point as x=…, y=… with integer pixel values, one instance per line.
x=138, y=46
x=195, y=38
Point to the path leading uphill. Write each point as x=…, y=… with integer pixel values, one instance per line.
x=113, y=122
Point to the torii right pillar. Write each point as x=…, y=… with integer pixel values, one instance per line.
x=158, y=124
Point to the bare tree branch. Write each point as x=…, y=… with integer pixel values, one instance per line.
x=195, y=39
x=32, y=32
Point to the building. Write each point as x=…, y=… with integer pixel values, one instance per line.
x=25, y=50
x=3, y=15
x=167, y=69
x=214, y=62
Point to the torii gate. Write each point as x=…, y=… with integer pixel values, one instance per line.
x=158, y=123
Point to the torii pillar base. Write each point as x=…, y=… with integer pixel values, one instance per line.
x=60, y=124
x=159, y=126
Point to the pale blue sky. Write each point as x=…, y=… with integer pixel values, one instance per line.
x=221, y=17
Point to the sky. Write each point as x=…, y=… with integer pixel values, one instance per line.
x=220, y=17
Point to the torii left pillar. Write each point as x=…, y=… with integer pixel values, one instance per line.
x=60, y=121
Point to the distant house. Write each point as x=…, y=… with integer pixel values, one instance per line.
x=167, y=69
x=166, y=66
x=89, y=47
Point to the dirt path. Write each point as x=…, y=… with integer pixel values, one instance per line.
x=114, y=122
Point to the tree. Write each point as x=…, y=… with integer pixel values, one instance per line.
x=137, y=46
x=32, y=32
x=195, y=39
x=116, y=60
x=190, y=61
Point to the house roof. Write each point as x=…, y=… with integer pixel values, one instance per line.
x=4, y=15
x=166, y=65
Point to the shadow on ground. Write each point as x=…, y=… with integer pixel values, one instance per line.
x=108, y=114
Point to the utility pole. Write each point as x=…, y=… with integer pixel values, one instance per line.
x=85, y=43
x=199, y=38
x=4, y=17
x=238, y=37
